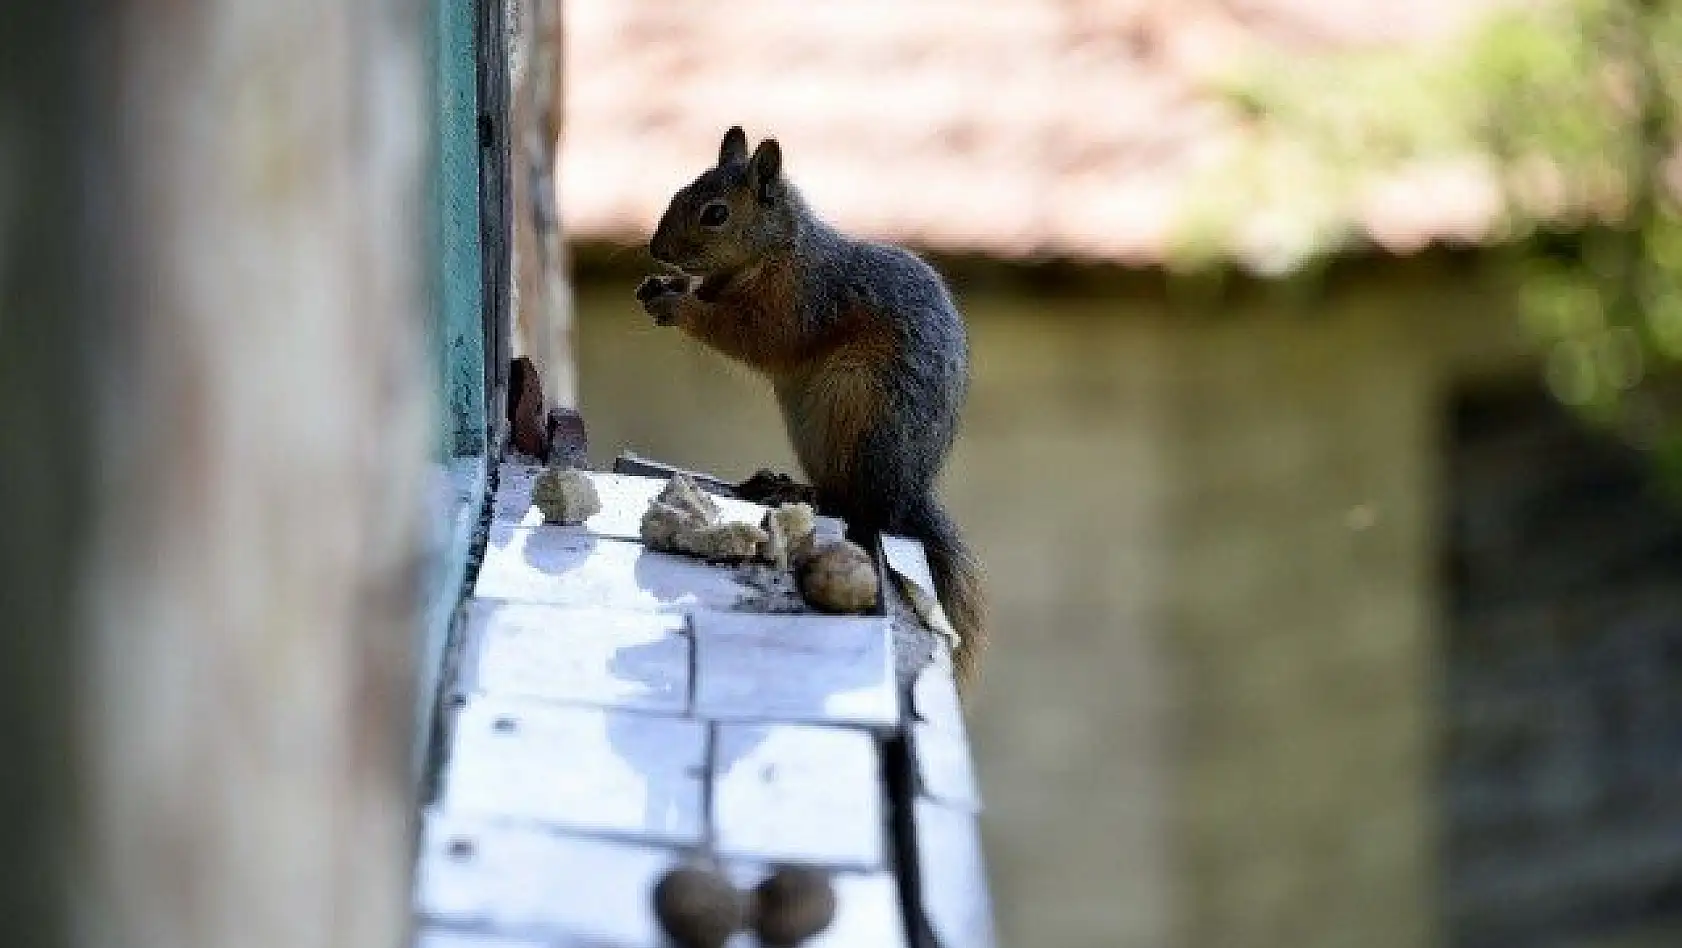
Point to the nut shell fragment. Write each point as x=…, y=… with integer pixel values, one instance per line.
x=789, y=531
x=565, y=495
x=685, y=519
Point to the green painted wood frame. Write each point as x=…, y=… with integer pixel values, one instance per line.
x=467, y=275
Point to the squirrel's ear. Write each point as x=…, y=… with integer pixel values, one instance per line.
x=765, y=168
x=734, y=148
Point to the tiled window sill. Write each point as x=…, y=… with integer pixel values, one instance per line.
x=616, y=710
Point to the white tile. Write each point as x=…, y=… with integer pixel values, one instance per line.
x=867, y=912
x=608, y=657
x=944, y=767
x=906, y=557
x=934, y=699
x=952, y=876
x=612, y=772
x=512, y=502
x=442, y=938
x=798, y=668
x=567, y=566
x=940, y=740
x=565, y=890
x=798, y=794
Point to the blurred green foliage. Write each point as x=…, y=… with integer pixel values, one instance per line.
x=1571, y=107
x=1580, y=109
x=1319, y=132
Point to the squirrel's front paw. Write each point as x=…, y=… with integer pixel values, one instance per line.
x=772, y=487
x=653, y=287
x=659, y=296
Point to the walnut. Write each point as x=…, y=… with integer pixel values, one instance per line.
x=698, y=908
x=793, y=904
x=838, y=576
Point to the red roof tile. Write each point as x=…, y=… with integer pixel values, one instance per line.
x=1078, y=128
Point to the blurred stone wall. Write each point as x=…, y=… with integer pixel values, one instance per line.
x=1213, y=709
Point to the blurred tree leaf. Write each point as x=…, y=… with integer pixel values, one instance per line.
x=1570, y=106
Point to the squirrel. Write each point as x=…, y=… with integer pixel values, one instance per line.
x=861, y=342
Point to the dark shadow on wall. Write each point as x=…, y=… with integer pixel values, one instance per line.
x=1561, y=778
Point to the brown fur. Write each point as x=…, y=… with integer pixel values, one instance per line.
x=964, y=597
x=830, y=387
x=831, y=402
x=870, y=398
x=751, y=319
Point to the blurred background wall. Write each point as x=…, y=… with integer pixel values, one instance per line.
x=1319, y=619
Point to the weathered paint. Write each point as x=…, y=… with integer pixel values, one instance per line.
x=458, y=293
x=455, y=277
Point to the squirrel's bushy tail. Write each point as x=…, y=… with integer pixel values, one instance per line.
x=957, y=580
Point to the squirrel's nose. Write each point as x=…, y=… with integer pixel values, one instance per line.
x=659, y=246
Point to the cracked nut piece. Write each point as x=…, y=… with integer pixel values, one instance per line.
x=684, y=519
x=723, y=542
x=789, y=529
x=679, y=507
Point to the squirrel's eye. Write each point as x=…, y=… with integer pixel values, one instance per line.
x=715, y=214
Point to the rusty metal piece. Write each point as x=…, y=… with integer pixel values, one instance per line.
x=642, y=467
x=556, y=437
x=527, y=430
x=569, y=443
